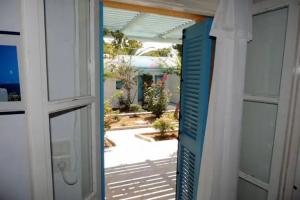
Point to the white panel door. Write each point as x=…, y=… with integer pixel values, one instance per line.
x=71, y=77
x=61, y=52
x=261, y=147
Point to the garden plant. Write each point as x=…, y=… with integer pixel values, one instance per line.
x=163, y=124
x=156, y=99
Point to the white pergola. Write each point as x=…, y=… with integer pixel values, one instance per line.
x=146, y=26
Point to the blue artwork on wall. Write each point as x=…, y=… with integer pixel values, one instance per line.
x=9, y=74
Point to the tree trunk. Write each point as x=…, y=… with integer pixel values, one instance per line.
x=176, y=113
x=128, y=98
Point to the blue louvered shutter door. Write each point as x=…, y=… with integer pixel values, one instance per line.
x=195, y=85
x=101, y=46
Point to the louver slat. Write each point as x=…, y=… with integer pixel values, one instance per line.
x=194, y=105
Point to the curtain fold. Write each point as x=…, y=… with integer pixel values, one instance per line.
x=232, y=26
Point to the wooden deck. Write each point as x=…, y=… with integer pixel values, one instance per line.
x=147, y=180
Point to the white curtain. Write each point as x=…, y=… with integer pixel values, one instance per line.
x=232, y=26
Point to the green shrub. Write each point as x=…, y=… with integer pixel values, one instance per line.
x=147, y=80
x=149, y=95
x=127, y=74
x=156, y=99
x=163, y=124
x=135, y=108
x=109, y=117
x=170, y=115
x=107, y=107
x=119, y=96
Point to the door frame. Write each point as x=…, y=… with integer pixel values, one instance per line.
x=282, y=133
x=292, y=143
x=37, y=106
x=36, y=102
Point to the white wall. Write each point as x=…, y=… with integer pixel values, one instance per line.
x=10, y=15
x=14, y=158
x=110, y=87
x=15, y=181
x=110, y=90
x=173, y=83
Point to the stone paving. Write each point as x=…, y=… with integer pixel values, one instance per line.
x=136, y=169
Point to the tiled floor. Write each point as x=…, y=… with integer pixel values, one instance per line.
x=136, y=169
x=146, y=180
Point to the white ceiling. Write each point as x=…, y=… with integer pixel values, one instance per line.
x=200, y=7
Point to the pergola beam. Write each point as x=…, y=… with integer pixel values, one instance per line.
x=152, y=39
x=180, y=27
x=146, y=9
x=156, y=39
x=133, y=22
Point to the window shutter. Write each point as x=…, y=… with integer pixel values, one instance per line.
x=195, y=86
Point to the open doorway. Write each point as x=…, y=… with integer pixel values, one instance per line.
x=142, y=69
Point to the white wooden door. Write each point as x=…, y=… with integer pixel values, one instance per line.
x=266, y=102
x=61, y=50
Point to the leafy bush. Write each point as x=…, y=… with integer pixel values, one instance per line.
x=163, y=124
x=170, y=116
x=119, y=96
x=127, y=74
x=156, y=99
x=109, y=117
x=147, y=80
x=162, y=52
x=135, y=108
x=107, y=107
